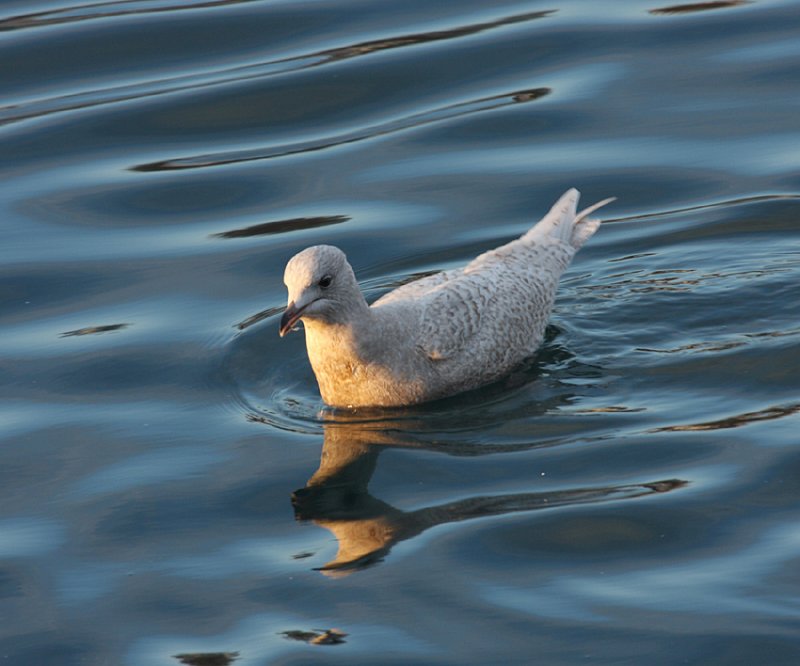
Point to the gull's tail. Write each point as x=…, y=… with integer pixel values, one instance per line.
x=567, y=225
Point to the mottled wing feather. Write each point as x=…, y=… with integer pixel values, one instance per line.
x=451, y=318
x=452, y=315
x=498, y=304
x=416, y=289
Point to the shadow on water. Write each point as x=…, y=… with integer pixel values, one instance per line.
x=699, y=7
x=366, y=528
x=283, y=226
x=207, y=658
x=93, y=330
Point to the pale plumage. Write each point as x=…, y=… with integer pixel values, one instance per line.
x=437, y=336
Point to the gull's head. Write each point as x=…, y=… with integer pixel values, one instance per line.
x=321, y=285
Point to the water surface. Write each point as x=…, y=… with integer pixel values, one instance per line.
x=173, y=489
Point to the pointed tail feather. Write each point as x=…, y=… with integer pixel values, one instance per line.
x=565, y=224
x=558, y=221
x=584, y=226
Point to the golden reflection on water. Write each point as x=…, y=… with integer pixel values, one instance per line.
x=366, y=528
x=768, y=414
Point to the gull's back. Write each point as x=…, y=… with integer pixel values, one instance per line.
x=476, y=323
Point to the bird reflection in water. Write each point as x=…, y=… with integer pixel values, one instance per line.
x=337, y=498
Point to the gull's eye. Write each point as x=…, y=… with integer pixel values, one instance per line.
x=325, y=282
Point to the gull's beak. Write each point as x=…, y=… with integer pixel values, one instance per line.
x=290, y=317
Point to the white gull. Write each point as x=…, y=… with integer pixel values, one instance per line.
x=439, y=335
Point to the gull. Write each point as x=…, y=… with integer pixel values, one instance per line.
x=438, y=336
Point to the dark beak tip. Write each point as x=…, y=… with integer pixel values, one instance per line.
x=288, y=320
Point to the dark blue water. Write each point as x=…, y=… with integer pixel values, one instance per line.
x=173, y=491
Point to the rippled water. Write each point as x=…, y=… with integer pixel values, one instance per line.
x=173, y=491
